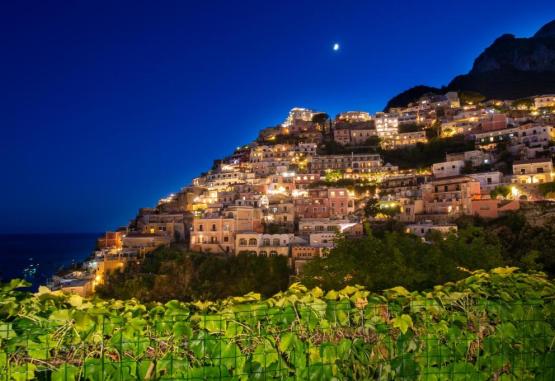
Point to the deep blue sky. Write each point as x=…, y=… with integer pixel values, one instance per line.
x=107, y=106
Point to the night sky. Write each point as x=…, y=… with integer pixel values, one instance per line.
x=107, y=106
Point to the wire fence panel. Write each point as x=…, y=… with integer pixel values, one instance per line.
x=300, y=335
x=481, y=341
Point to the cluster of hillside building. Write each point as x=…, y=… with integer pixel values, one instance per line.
x=282, y=195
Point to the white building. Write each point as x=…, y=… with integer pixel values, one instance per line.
x=533, y=135
x=298, y=114
x=488, y=180
x=447, y=168
x=362, y=163
x=533, y=171
x=475, y=157
x=354, y=116
x=453, y=98
x=544, y=101
x=264, y=244
x=306, y=148
x=308, y=226
x=423, y=228
x=387, y=125
x=323, y=239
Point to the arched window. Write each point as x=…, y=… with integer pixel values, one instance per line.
x=276, y=242
x=263, y=254
x=273, y=253
x=242, y=242
x=252, y=242
x=266, y=242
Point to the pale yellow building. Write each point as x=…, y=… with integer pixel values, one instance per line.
x=533, y=171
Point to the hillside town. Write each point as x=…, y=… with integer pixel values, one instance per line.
x=299, y=185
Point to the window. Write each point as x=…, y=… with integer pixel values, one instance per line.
x=273, y=253
x=226, y=239
x=276, y=242
x=252, y=242
x=266, y=242
x=242, y=242
x=213, y=227
x=200, y=228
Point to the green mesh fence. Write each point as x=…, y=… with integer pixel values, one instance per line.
x=316, y=339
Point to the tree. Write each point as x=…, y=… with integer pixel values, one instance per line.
x=333, y=176
x=320, y=117
x=379, y=262
x=425, y=154
x=373, y=141
x=523, y=104
x=173, y=273
x=390, y=210
x=547, y=189
x=411, y=127
x=500, y=190
x=372, y=208
x=470, y=97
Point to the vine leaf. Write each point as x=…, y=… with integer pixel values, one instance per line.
x=403, y=322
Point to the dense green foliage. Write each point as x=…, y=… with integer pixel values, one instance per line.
x=331, y=147
x=470, y=97
x=412, y=95
x=526, y=103
x=547, y=189
x=172, y=273
x=384, y=209
x=320, y=118
x=411, y=127
x=396, y=258
x=522, y=244
x=425, y=154
x=489, y=326
x=500, y=190
x=387, y=256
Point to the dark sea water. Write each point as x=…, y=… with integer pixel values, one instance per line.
x=36, y=257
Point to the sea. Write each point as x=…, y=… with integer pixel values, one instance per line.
x=36, y=257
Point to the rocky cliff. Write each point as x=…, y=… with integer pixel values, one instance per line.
x=509, y=68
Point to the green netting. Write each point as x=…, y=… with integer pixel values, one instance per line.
x=502, y=329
